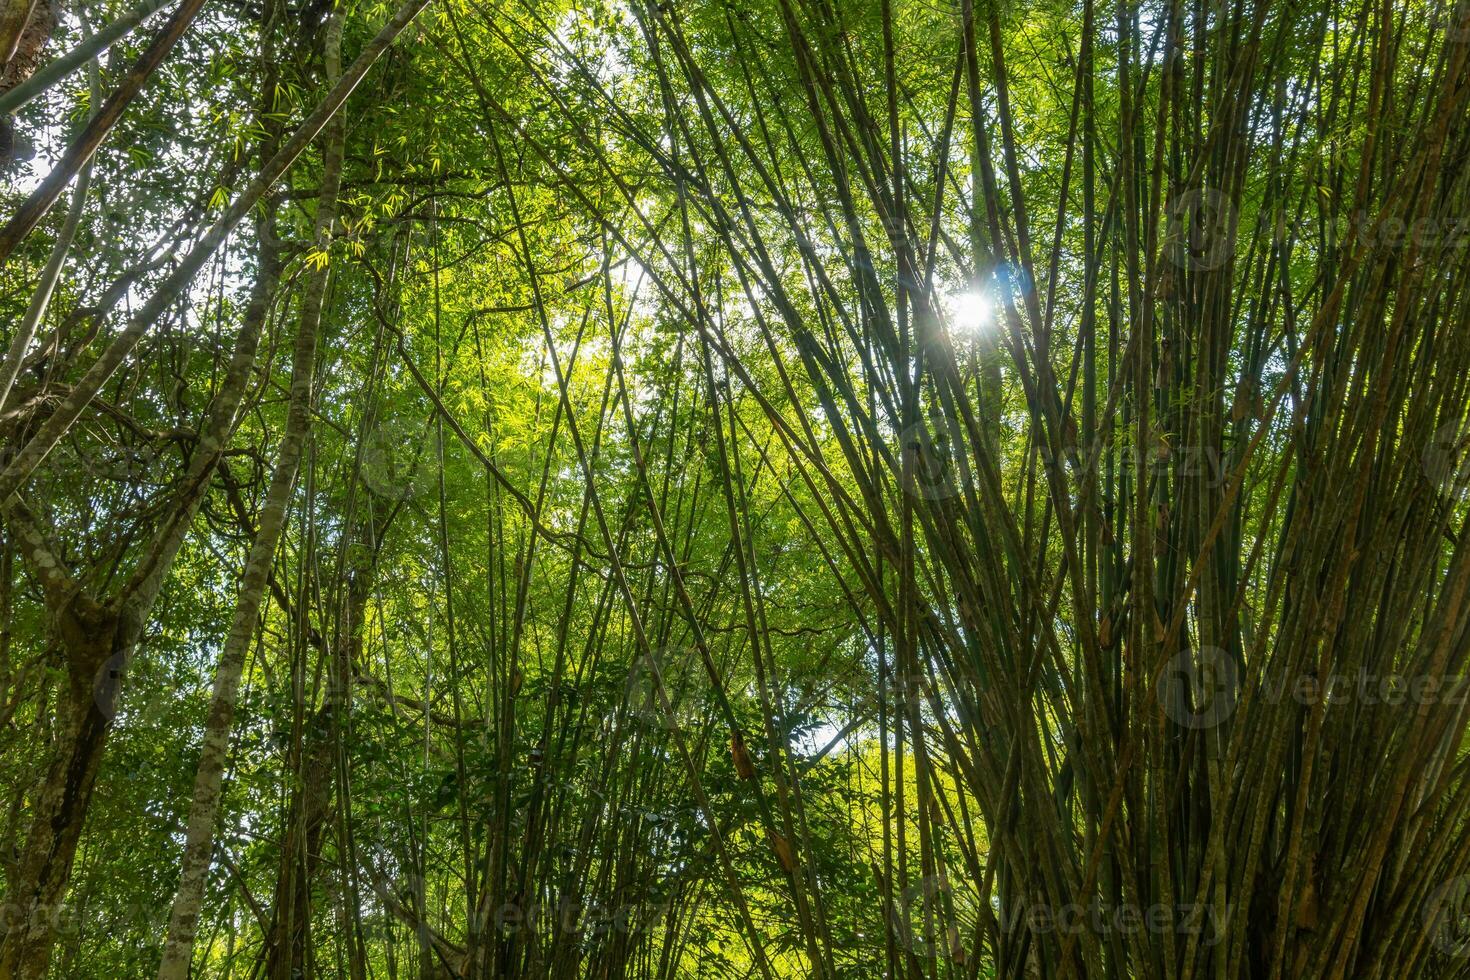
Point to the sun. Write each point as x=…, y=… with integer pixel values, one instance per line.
x=970, y=311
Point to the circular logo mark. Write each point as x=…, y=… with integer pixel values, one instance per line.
x=922, y=901
x=669, y=663
x=1457, y=26
x=928, y=462
x=146, y=703
x=397, y=457
x=1199, y=688
x=1447, y=459
x=107, y=683
x=1447, y=916
x=1198, y=229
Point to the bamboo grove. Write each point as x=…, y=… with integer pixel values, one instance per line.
x=735, y=488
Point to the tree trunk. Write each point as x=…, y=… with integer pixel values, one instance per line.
x=204, y=808
x=312, y=794
x=25, y=27
x=97, y=642
x=65, y=794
